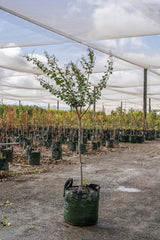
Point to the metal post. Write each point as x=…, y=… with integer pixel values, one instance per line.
x=121, y=106
x=48, y=105
x=94, y=107
x=20, y=103
x=57, y=105
x=145, y=101
x=149, y=105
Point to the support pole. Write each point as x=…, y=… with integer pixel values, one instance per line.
x=145, y=100
x=20, y=103
x=121, y=106
x=94, y=107
x=48, y=105
x=149, y=105
x=57, y=105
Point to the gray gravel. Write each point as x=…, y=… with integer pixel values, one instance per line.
x=37, y=209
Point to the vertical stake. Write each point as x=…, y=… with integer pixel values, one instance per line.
x=145, y=100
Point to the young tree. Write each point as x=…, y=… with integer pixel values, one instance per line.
x=72, y=84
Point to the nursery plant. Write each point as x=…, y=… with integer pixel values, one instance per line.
x=72, y=84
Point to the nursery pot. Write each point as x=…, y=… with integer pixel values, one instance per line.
x=116, y=141
x=133, y=138
x=8, y=154
x=72, y=145
x=4, y=164
x=57, y=153
x=140, y=138
x=83, y=148
x=34, y=158
x=57, y=150
x=85, y=139
x=81, y=205
x=94, y=145
x=110, y=143
x=124, y=138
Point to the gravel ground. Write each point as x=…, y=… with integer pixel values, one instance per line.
x=129, y=207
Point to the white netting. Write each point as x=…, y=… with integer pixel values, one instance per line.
x=129, y=29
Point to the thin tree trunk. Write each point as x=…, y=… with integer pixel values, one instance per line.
x=79, y=149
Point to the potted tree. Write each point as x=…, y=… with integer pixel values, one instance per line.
x=73, y=86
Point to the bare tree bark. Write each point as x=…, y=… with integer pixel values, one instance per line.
x=79, y=149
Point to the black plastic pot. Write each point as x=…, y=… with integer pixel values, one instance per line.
x=72, y=145
x=8, y=154
x=85, y=139
x=116, y=141
x=110, y=143
x=94, y=145
x=34, y=158
x=57, y=154
x=98, y=144
x=81, y=205
x=4, y=166
x=57, y=150
x=140, y=138
x=133, y=139
x=124, y=138
x=150, y=135
x=83, y=148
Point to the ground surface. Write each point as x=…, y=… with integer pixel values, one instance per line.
x=33, y=203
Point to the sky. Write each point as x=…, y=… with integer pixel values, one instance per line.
x=128, y=29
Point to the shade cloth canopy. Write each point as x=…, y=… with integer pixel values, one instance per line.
x=127, y=29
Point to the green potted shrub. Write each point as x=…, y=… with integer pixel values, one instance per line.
x=73, y=86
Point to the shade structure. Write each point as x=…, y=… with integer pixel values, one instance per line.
x=129, y=30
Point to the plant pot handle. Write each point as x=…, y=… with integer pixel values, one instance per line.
x=68, y=184
x=92, y=188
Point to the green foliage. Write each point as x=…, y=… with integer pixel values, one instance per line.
x=38, y=116
x=153, y=114
x=3, y=110
x=72, y=84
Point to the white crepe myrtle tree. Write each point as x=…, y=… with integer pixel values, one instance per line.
x=72, y=84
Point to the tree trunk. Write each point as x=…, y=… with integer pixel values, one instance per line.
x=79, y=149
